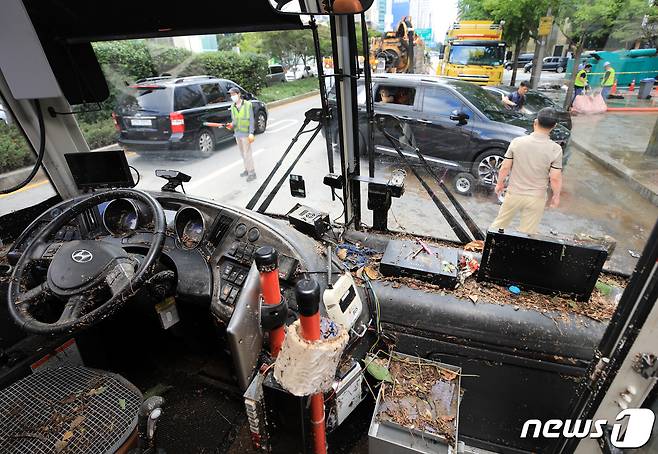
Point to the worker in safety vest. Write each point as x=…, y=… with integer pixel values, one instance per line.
x=608, y=80
x=243, y=125
x=581, y=80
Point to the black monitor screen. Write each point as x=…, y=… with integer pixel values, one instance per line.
x=100, y=169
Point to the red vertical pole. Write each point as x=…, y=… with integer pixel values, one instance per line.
x=308, y=302
x=267, y=262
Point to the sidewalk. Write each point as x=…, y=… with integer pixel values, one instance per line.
x=618, y=141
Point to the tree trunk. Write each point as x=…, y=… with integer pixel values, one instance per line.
x=515, y=60
x=652, y=146
x=535, y=58
x=576, y=60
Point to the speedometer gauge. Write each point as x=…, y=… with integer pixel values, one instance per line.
x=121, y=216
x=190, y=227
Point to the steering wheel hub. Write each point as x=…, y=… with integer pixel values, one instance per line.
x=79, y=268
x=80, y=264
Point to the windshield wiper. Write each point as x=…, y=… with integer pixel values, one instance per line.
x=452, y=221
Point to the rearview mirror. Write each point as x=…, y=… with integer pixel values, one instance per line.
x=459, y=116
x=324, y=7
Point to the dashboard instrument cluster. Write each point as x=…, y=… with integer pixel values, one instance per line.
x=210, y=247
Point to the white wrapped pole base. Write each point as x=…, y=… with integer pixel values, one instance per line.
x=302, y=367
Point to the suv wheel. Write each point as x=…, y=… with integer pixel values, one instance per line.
x=205, y=142
x=261, y=122
x=487, y=165
x=560, y=69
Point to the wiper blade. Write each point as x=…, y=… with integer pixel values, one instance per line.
x=452, y=221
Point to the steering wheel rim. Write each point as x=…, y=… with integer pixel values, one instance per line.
x=18, y=301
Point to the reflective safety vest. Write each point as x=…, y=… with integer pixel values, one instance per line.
x=610, y=81
x=581, y=81
x=242, y=117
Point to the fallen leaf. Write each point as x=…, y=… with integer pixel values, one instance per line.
x=359, y=273
x=96, y=391
x=60, y=445
x=475, y=246
x=473, y=298
x=77, y=421
x=122, y=404
x=69, y=399
x=341, y=253
x=378, y=371
x=371, y=272
x=67, y=435
x=604, y=288
x=447, y=418
x=448, y=374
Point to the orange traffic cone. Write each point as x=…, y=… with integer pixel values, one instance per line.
x=631, y=87
x=613, y=90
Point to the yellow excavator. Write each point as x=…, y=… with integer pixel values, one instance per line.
x=399, y=51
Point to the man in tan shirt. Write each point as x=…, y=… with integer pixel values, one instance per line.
x=533, y=161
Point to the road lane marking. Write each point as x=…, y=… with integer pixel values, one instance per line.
x=214, y=175
x=272, y=123
x=288, y=123
x=25, y=188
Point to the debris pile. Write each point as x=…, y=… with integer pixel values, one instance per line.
x=421, y=396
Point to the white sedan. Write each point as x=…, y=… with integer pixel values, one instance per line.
x=300, y=72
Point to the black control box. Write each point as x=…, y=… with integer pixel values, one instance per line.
x=436, y=265
x=288, y=419
x=309, y=221
x=541, y=263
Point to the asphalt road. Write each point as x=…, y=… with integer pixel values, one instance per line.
x=594, y=201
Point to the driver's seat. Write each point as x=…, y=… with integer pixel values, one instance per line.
x=69, y=410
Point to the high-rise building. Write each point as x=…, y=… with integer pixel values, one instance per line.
x=421, y=13
x=372, y=16
x=380, y=15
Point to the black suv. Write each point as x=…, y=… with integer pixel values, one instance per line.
x=523, y=59
x=557, y=64
x=455, y=124
x=167, y=113
x=534, y=102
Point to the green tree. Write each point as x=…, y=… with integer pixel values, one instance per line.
x=289, y=46
x=472, y=10
x=637, y=21
x=585, y=20
x=227, y=41
x=252, y=42
x=521, y=19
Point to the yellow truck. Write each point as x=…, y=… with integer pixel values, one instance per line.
x=474, y=51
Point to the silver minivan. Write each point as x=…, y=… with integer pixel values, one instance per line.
x=276, y=74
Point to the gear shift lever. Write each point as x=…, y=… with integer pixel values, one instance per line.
x=149, y=413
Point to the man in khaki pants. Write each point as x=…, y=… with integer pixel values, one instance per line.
x=533, y=161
